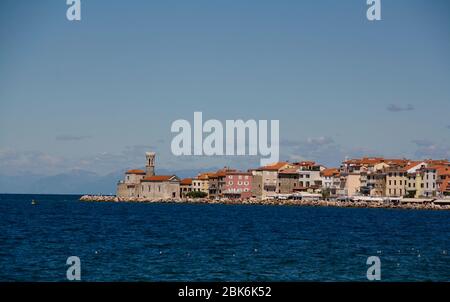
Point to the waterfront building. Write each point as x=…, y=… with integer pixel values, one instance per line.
x=238, y=185
x=414, y=187
x=265, y=179
x=443, y=181
x=216, y=182
x=310, y=178
x=201, y=183
x=129, y=186
x=430, y=181
x=160, y=187
x=145, y=184
x=350, y=184
x=376, y=182
x=396, y=181
x=213, y=186
x=300, y=177
x=331, y=180
x=185, y=187
x=288, y=181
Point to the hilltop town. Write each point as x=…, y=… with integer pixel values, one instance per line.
x=365, y=181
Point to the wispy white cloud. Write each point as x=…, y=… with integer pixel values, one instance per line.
x=17, y=162
x=324, y=150
x=428, y=149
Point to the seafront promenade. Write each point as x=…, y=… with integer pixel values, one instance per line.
x=436, y=205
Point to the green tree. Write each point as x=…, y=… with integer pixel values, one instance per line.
x=196, y=194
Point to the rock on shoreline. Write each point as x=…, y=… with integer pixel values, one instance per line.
x=320, y=203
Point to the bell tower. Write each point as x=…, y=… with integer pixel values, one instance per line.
x=150, y=164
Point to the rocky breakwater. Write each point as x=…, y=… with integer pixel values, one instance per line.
x=271, y=202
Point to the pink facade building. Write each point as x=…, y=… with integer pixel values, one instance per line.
x=237, y=184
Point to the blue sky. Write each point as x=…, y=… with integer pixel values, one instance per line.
x=96, y=94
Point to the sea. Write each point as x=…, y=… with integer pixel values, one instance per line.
x=196, y=242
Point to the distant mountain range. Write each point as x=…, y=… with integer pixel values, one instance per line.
x=73, y=182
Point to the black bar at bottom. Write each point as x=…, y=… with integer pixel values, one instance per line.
x=212, y=291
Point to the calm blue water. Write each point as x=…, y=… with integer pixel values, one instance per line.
x=153, y=242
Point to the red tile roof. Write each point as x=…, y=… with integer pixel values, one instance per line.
x=205, y=176
x=289, y=171
x=273, y=167
x=223, y=172
x=370, y=161
x=365, y=161
x=159, y=178
x=330, y=172
x=186, y=182
x=443, y=170
x=439, y=162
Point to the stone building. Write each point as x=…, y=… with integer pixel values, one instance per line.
x=288, y=181
x=129, y=187
x=265, y=179
x=160, y=187
x=216, y=182
x=147, y=185
x=185, y=187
